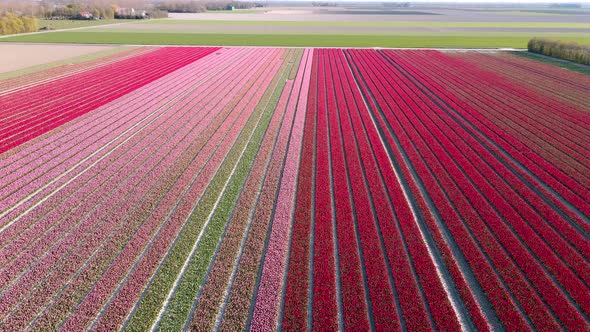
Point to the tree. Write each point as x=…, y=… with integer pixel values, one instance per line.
x=11, y=24
x=30, y=24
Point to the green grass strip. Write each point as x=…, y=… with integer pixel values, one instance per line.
x=72, y=24
x=293, y=40
x=394, y=24
x=179, y=307
x=75, y=60
x=150, y=305
x=556, y=62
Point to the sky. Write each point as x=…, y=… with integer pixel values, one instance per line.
x=586, y=2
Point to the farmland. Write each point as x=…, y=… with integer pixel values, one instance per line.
x=233, y=188
x=340, y=26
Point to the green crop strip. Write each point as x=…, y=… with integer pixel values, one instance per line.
x=178, y=308
x=155, y=296
x=468, y=40
x=297, y=59
x=73, y=24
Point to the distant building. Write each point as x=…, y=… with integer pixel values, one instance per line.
x=85, y=15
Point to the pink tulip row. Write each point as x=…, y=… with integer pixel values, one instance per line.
x=25, y=81
x=57, y=102
x=392, y=190
x=208, y=303
x=19, y=187
x=296, y=299
x=241, y=289
x=164, y=150
x=183, y=210
x=114, y=123
x=182, y=198
x=268, y=297
x=160, y=172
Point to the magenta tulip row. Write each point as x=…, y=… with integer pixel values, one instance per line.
x=31, y=112
x=35, y=78
x=132, y=154
x=392, y=190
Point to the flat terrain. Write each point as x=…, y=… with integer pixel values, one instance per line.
x=14, y=57
x=340, y=27
x=264, y=188
x=73, y=24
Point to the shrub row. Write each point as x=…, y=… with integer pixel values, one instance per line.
x=11, y=24
x=568, y=51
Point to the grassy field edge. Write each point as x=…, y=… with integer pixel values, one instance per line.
x=292, y=40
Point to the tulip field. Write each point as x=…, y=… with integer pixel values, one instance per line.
x=227, y=188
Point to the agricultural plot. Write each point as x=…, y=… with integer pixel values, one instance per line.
x=187, y=188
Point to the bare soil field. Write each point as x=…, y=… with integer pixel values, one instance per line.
x=15, y=57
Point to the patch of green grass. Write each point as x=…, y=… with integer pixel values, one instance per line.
x=79, y=59
x=394, y=24
x=556, y=62
x=71, y=24
x=293, y=40
x=165, y=277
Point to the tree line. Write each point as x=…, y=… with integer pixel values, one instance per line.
x=562, y=50
x=183, y=6
x=12, y=24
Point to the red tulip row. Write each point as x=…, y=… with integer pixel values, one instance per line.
x=378, y=253
x=519, y=231
x=375, y=80
x=543, y=78
x=31, y=112
x=562, y=142
x=539, y=107
x=296, y=299
x=545, y=106
x=39, y=77
x=540, y=172
x=569, y=232
x=392, y=190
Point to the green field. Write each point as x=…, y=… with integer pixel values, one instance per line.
x=299, y=40
x=72, y=24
